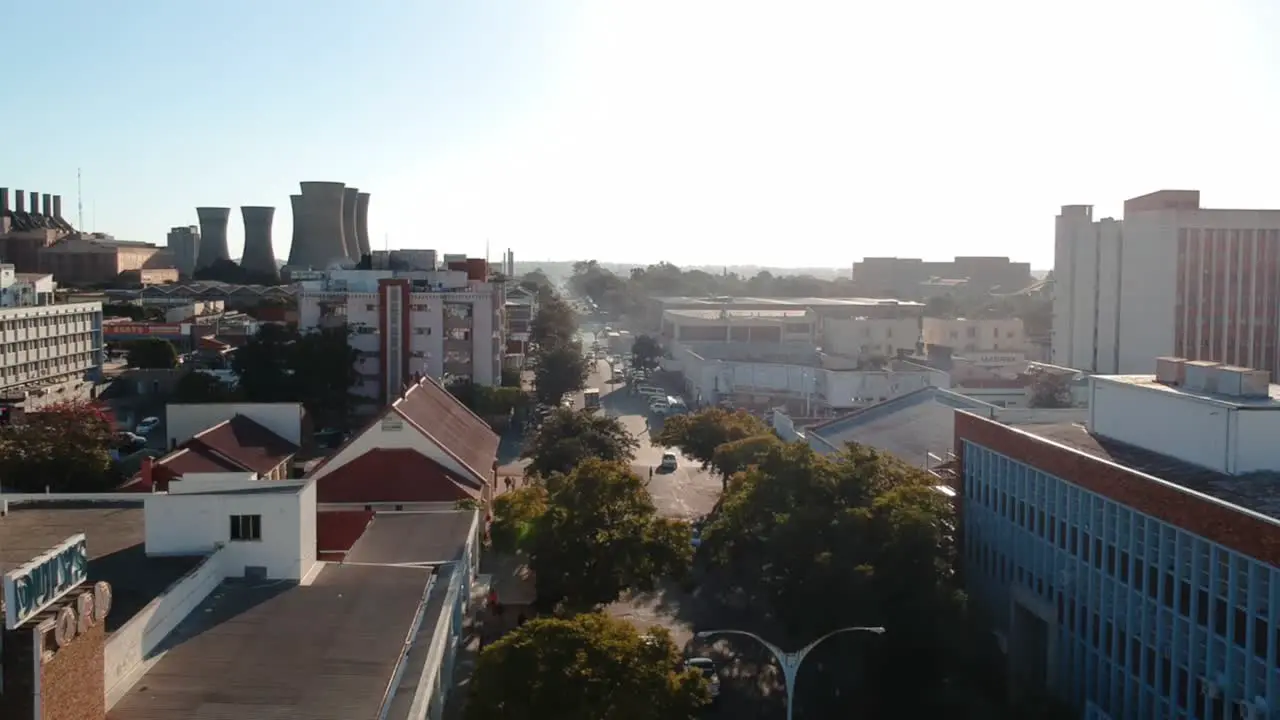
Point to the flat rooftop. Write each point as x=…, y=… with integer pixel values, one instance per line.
x=1258, y=492
x=1149, y=381
x=783, y=303
x=413, y=537
x=276, y=649
x=740, y=314
x=115, y=538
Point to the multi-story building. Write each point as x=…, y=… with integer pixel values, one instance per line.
x=50, y=352
x=445, y=324
x=860, y=337
x=87, y=259
x=522, y=306
x=1003, y=337
x=1132, y=565
x=912, y=278
x=184, y=246
x=25, y=289
x=1171, y=278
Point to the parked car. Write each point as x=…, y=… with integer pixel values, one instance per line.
x=147, y=425
x=707, y=667
x=669, y=462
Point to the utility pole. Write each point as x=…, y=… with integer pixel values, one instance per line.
x=79, y=202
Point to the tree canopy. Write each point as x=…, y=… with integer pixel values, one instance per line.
x=152, y=354
x=646, y=352
x=315, y=368
x=567, y=438
x=199, y=387
x=558, y=369
x=700, y=434
x=515, y=516
x=64, y=447
x=857, y=538
x=555, y=323
x=600, y=535
x=587, y=667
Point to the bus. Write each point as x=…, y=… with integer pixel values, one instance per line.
x=591, y=398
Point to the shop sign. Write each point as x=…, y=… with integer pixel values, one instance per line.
x=141, y=329
x=31, y=588
x=76, y=618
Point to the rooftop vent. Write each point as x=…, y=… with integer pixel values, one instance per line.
x=1171, y=370
x=1242, y=382
x=1201, y=376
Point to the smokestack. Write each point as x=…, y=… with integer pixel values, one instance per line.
x=258, y=256
x=213, y=236
x=318, y=224
x=46, y=205
x=362, y=223
x=20, y=201
x=4, y=200
x=34, y=204
x=57, y=206
x=350, y=241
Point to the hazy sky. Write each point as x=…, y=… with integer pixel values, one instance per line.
x=799, y=133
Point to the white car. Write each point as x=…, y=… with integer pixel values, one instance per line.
x=669, y=461
x=146, y=426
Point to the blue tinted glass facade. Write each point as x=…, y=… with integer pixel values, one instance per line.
x=1135, y=612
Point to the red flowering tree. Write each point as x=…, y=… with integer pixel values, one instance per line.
x=65, y=448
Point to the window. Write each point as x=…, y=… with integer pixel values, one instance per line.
x=246, y=527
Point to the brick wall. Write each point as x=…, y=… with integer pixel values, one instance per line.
x=73, y=681
x=1214, y=521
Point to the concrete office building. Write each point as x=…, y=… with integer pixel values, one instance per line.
x=445, y=324
x=184, y=246
x=319, y=240
x=259, y=256
x=1131, y=565
x=213, y=236
x=50, y=353
x=909, y=278
x=1171, y=278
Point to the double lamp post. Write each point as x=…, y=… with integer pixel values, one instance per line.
x=790, y=661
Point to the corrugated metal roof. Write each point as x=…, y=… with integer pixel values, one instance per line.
x=413, y=537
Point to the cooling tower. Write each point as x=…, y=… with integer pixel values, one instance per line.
x=349, y=223
x=362, y=223
x=318, y=234
x=295, y=202
x=258, y=256
x=213, y=236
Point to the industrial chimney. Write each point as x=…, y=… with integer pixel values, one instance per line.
x=46, y=205
x=258, y=257
x=4, y=201
x=213, y=236
x=318, y=234
x=19, y=201
x=35, y=204
x=57, y=206
x=362, y=223
x=352, y=243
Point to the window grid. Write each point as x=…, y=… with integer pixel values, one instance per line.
x=1145, y=610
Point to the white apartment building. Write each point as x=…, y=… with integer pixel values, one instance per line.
x=25, y=289
x=995, y=341
x=859, y=337
x=446, y=324
x=1171, y=278
x=50, y=350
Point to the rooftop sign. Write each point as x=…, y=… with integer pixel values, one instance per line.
x=31, y=588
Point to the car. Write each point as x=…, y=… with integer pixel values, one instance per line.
x=697, y=536
x=147, y=425
x=669, y=462
x=651, y=390
x=707, y=667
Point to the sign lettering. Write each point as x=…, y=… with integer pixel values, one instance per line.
x=110, y=329
x=38, y=584
x=74, y=619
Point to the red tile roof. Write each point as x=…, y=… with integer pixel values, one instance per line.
x=244, y=443
x=439, y=415
x=388, y=475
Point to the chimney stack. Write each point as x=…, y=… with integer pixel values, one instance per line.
x=46, y=205
x=20, y=201
x=4, y=200
x=57, y=206
x=34, y=205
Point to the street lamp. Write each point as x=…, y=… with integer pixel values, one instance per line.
x=790, y=661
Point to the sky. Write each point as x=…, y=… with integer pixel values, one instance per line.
x=786, y=134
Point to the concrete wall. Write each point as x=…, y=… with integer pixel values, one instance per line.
x=129, y=647
x=856, y=337
x=1165, y=422
x=184, y=421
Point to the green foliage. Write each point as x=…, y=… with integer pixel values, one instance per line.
x=559, y=369
x=699, y=435
x=152, y=354
x=567, y=438
x=587, y=667
x=736, y=456
x=511, y=378
x=198, y=387
x=646, y=352
x=64, y=447
x=554, y=324
x=316, y=369
x=1050, y=390
x=539, y=284
x=233, y=273
x=821, y=542
x=515, y=515
x=601, y=536
x=488, y=401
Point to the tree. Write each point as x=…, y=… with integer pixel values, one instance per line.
x=856, y=538
x=567, y=438
x=263, y=365
x=554, y=324
x=601, y=536
x=699, y=435
x=200, y=387
x=646, y=352
x=152, y=353
x=1050, y=390
x=65, y=447
x=736, y=456
x=537, y=282
x=559, y=369
x=586, y=667
x=515, y=517
x=322, y=368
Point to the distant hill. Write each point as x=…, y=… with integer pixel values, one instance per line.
x=559, y=270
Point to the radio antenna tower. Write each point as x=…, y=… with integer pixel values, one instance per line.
x=79, y=202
